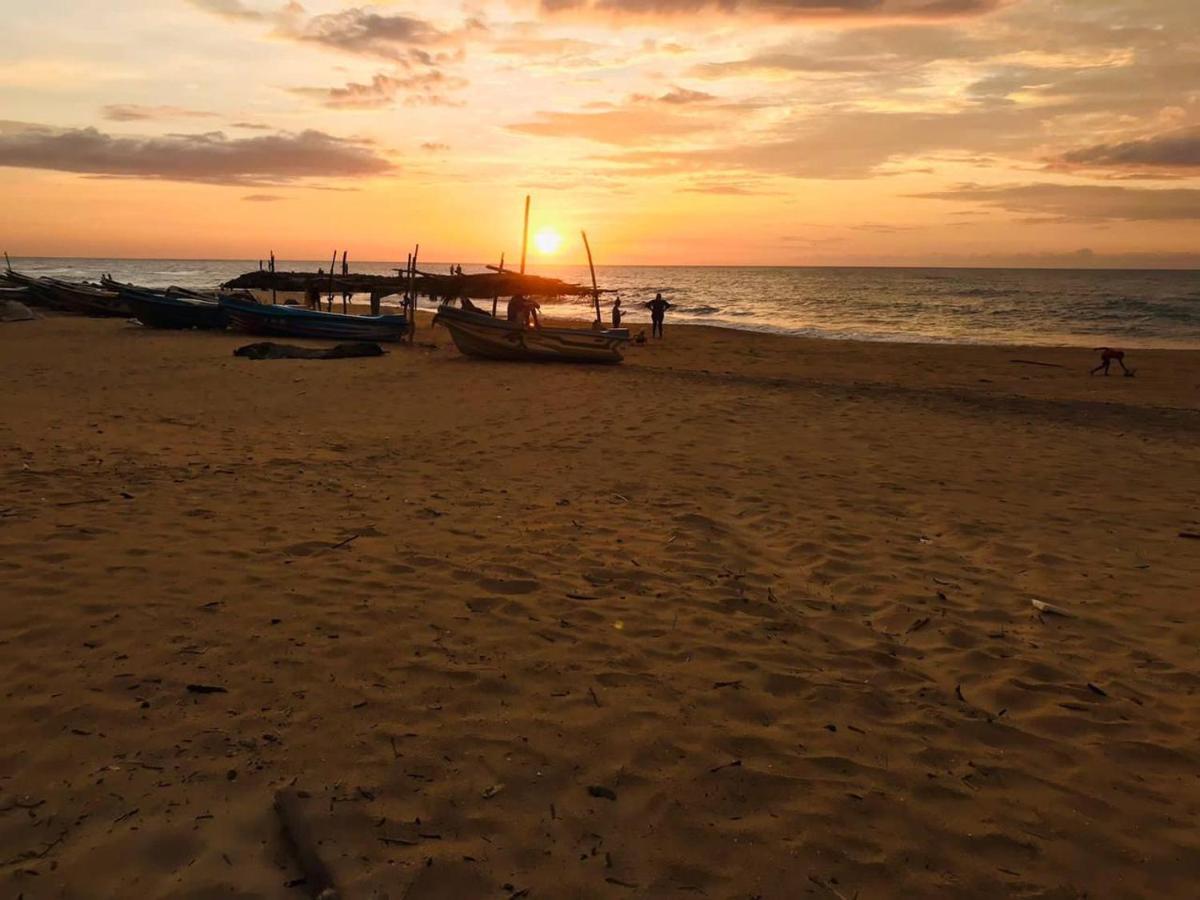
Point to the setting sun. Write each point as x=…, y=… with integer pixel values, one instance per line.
x=547, y=241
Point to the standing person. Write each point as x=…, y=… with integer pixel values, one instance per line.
x=616, y=313
x=658, y=310
x=272, y=262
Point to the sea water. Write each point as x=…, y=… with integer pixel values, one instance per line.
x=1145, y=308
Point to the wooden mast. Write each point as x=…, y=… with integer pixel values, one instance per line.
x=595, y=289
x=412, y=281
x=332, y=263
x=500, y=269
x=525, y=235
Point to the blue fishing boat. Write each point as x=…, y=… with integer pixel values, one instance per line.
x=295, y=322
x=175, y=310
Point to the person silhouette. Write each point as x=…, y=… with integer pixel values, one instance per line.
x=658, y=310
x=616, y=313
x=1107, y=356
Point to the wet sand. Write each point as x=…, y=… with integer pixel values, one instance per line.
x=747, y=616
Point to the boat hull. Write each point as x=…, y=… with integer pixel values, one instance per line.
x=77, y=298
x=486, y=337
x=162, y=311
x=293, y=322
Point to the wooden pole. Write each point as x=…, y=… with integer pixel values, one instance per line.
x=500, y=269
x=525, y=235
x=412, y=325
x=595, y=290
x=332, y=263
x=345, y=293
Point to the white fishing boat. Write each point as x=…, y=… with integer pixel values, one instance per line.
x=477, y=333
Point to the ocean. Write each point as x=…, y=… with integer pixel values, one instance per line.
x=1136, y=309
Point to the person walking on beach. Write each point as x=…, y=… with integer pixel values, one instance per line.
x=1107, y=356
x=658, y=310
x=616, y=313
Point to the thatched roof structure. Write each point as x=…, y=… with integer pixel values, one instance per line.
x=481, y=286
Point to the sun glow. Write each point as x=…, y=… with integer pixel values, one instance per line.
x=547, y=241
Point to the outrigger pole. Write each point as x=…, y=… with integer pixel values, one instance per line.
x=595, y=289
x=525, y=235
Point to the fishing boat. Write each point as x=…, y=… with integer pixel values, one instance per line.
x=295, y=322
x=84, y=299
x=175, y=310
x=477, y=333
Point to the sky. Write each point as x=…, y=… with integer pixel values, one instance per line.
x=736, y=132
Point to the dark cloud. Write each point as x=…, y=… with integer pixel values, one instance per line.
x=262, y=198
x=683, y=95
x=358, y=30
x=214, y=158
x=1179, y=149
x=1075, y=202
x=806, y=9
x=250, y=126
x=132, y=112
x=364, y=31
x=383, y=90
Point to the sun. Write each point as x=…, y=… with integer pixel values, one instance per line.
x=547, y=241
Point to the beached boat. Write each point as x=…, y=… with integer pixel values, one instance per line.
x=295, y=322
x=482, y=335
x=85, y=299
x=174, y=310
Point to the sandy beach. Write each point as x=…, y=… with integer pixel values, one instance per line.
x=747, y=616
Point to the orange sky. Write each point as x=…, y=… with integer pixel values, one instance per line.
x=804, y=132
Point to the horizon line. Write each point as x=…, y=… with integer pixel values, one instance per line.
x=949, y=266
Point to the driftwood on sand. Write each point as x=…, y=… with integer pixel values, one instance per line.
x=271, y=350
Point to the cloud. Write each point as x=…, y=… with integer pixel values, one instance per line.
x=383, y=90
x=434, y=147
x=132, y=112
x=366, y=32
x=728, y=188
x=269, y=159
x=263, y=198
x=680, y=95
x=359, y=30
x=835, y=145
x=623, y=126
x=230, y=9
x=1178, y=149
x=1073, y=202
x=797, y=9
x=785, y=62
